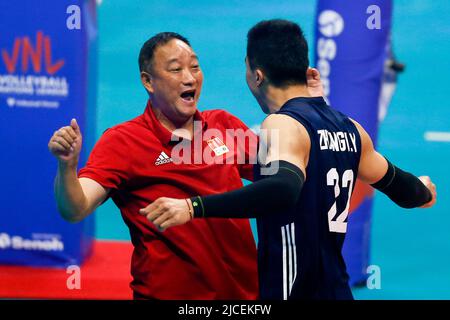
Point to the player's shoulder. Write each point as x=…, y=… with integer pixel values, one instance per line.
x=281, y=121
x=286, y=126
x=366, y=140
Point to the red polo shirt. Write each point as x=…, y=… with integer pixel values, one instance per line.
x=203, y=259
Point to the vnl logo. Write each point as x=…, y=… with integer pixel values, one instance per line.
x=31, y=70
x=39, y=55
x=331, y=24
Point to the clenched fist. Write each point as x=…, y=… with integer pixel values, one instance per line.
x=168, y=212
x=65, y=144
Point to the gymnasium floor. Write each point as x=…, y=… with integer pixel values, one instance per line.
x=412, y=248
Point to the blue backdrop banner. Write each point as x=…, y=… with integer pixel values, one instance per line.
x=47, y=77
x=351, y=39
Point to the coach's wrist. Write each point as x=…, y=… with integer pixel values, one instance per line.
x=65, y=166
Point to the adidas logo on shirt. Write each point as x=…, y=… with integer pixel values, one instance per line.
x=163, y=158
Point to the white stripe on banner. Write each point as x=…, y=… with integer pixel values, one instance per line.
x=283, y=238
x=437, y=136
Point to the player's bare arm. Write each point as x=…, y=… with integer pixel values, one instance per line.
x=401, y=187
x=277, y=191
x=76, y=198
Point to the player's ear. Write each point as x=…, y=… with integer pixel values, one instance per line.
x=259, y=77
x=147, y=81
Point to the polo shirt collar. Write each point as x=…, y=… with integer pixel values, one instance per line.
x=162, y=133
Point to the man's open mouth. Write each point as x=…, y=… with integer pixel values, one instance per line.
x=188, y=95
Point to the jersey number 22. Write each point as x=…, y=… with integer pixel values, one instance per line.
x=338, y=223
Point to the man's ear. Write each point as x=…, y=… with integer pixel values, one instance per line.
x=259, y=77
x=147, y=81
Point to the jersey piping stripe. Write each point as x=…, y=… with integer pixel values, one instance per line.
x=294, y=249
x=283, y=239
x=289, y=258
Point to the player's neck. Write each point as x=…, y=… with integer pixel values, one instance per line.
x=275, y=98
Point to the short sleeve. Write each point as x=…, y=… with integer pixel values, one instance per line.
x=109, y=161
x=246, y=147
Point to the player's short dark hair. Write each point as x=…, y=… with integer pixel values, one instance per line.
x=279, y=48
x=148, y=49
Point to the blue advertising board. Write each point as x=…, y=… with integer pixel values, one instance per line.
x=47, y=77
x=351, y=39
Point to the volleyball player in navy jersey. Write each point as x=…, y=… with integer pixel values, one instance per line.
x=302, y=205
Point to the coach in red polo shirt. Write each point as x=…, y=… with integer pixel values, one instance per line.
x=140, y=160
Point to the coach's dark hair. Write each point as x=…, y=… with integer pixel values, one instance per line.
x=279, y=48
x=149, y=47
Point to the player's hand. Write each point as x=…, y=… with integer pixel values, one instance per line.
x=167, y=212
x=431, y=186
x=65, y=144
x=315, y=87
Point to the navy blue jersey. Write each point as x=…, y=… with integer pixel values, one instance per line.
x=299, y=251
